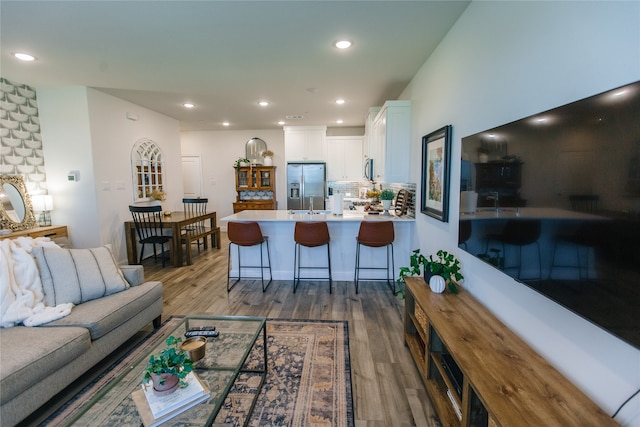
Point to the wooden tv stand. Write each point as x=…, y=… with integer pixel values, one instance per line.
x=502, y=381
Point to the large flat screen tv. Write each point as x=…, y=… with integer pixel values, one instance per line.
x=553, y=200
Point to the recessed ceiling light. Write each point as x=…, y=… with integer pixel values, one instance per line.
x=281, y=122
x=263, y=103
x=339, y=121
x=188, y=105
x=340, y=101
x=343, y=44
x=225, y=123
x=24, y=56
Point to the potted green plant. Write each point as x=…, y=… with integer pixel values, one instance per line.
x=168, y=369
x=387, y=196
x=242, y=161
x=445, y=265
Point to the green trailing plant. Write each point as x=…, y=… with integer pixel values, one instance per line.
x=387, y=194
x=240, y=160
x=417, y=262
x=172, y=360
x=447, y=266
x=444, y=264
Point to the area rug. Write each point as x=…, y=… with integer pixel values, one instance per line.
x=308, y=379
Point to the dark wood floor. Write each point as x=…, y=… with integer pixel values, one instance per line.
x=387, y=389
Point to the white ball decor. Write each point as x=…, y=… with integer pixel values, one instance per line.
x=437, y=284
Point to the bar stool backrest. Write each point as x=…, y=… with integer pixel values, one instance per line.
x=376, y=233
x=244, y=233
x=311, y=234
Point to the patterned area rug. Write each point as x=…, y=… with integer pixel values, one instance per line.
x=308, y=380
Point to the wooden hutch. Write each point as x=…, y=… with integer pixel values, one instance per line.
x=255, y=188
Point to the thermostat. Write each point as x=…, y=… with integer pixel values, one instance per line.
x=73, y=176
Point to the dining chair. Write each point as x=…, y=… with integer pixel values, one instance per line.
x=148, y=223
x=193, y=207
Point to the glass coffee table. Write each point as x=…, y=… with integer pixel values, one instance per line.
x=226, y=356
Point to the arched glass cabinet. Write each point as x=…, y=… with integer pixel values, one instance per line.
x=146, y=168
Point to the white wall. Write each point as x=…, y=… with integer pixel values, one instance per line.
x=219, y=150
x=87, y=130
x=500, y=62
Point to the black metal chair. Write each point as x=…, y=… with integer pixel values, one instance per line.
x=310, y=235
x=148, y=223
x=247, y=234
x=376, y=234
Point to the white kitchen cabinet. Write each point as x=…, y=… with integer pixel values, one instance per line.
x=305, y=143
x=367, y=143
x=392, y=142
x=344, y=158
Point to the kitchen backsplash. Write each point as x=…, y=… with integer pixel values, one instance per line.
x=353, y=189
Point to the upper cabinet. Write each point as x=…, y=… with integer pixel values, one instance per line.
x=392, y=142
x=344, y=158
x=367, y=143
x=305, y=143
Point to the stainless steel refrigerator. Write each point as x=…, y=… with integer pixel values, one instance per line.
x=305, y=182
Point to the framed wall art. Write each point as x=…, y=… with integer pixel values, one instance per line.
x=436, y=159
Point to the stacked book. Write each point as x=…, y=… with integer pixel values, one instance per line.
x=155, y=410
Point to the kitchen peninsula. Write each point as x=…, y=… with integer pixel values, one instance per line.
x=279, y=225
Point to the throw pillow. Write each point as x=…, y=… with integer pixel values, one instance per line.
x=77, y=275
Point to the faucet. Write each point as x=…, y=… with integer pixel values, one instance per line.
x=311, y=205
x=495, y=196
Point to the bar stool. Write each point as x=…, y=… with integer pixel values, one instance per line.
x=519, y=233
x=376, y=234
x=310, y=235
x=247, y=234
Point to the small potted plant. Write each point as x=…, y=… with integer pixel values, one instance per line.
x=445, y=265
x=168, y=369
x=387, y=196
x=242, y=161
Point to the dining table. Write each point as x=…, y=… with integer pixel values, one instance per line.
x=176, y=221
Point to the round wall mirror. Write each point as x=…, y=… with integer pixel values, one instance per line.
x=16, y=212
x=254, y=149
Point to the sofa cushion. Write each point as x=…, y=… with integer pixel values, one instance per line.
x=77, y=275
x=103, y=315
x=30, y=354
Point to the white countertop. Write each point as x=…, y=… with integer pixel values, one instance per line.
x=284, y=215
x=529, y=213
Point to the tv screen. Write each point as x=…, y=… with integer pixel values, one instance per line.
x=553, y=200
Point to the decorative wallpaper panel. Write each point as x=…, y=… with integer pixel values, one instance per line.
x=20, y=140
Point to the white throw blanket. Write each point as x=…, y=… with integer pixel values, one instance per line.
x=21, y=292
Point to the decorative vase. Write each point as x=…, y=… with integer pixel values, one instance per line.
x=386, y=205
x=437, y=284
x=268, y=161
x=164, y=384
